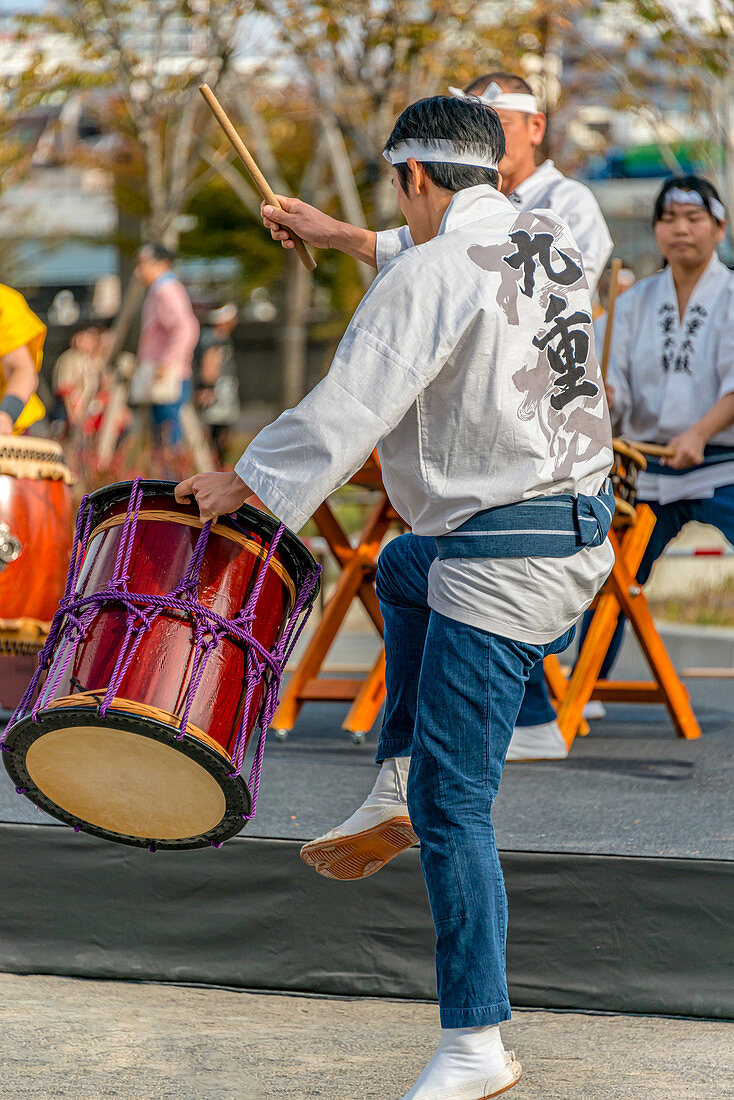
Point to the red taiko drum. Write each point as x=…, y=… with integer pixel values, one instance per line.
x=35, y=546
x=156, y=680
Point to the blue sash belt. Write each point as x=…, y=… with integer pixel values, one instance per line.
x=544, y=527
x=713, y=455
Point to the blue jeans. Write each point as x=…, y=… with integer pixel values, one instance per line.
x=453, y=693
x=717, y=510
x=167, y=418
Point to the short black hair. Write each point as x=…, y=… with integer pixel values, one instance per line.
x=471, y=125
x=508, y=81
x=701, y=186
x=158, y=251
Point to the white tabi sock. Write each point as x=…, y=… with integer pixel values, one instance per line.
x=470, y=1063
x=374, y=834
x=391, y=785
x=388, y=798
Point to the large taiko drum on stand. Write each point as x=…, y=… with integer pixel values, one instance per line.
x=164, y=656
x=35, y=546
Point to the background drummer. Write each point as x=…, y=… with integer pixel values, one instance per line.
x=22, y=336
x=529, y=187
x=671, y=372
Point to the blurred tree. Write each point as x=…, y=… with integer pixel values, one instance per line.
x=696, y=45
x=135, y=64
x=364, y=61
x=149, y=56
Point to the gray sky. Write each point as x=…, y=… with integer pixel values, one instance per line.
x=9, y=7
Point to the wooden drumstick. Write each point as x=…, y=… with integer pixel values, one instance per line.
x=261, y=184
x=655, y=450
x=611, y=305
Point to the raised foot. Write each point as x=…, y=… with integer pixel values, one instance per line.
x=361, y=854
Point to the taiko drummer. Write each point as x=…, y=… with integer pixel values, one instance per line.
x=671, y=371
x=470, y=363
x=22, y=336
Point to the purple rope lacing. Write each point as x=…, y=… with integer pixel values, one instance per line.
x=76, y=613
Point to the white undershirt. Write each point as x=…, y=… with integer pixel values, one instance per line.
x=527, y=599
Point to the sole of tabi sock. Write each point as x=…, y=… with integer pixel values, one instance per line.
x=516, y=1070
x=360, y=854
x=481, y=1090
x=543, y=742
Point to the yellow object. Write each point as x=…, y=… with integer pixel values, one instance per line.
x=19, y=327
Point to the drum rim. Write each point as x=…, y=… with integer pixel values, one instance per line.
x=237, y=795
x=26, y=443
x=290, y=547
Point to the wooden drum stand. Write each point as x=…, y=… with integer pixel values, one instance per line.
x=630, y=534
x=358, y=565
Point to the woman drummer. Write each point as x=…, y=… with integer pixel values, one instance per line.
x=671, y=372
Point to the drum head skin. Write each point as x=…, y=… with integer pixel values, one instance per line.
x=126, y=779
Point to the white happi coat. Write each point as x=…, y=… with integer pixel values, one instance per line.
x=573, y=203
x=470, y=361
x=546, y=189
x=667, y=373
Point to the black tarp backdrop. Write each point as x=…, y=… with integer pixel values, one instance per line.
x=618, y=934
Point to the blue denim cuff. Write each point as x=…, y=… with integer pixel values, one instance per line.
x=476, y=1017
x=393, y=746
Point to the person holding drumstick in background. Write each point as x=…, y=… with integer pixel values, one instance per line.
x=541, y=187
x=671, y=372
x=22, y=337
x=487, y=313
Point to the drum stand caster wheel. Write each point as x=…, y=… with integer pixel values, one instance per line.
x=359, y=737
x=281, y=735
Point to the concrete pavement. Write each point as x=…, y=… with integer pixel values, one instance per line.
x=64, y=1039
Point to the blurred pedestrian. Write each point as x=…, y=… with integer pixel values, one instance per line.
x=22, y=337
x=76, y=379
x=217, y=385
x=168, y=336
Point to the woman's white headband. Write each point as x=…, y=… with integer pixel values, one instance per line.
x=496, y=97
x=693, y=198
x=435, y=152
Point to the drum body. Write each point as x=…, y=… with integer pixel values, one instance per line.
x=35, y=546
x=131, y=774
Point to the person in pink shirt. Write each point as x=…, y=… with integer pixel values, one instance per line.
x=168, y=336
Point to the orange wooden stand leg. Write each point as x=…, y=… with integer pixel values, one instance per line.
x=673, y=693
x=368, y=701
x=622, y=593
x=355, y=581
x=558, y=687
x=601, y=629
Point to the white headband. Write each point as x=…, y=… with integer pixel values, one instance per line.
x=693, y=198
x=496, y=97
x=435, y=152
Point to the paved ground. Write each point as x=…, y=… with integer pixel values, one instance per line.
x=62, y=1039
